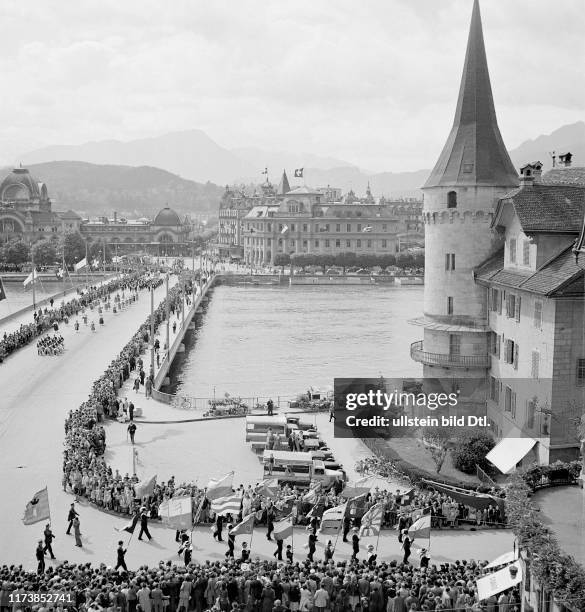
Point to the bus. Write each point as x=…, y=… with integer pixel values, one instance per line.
x=298, y=469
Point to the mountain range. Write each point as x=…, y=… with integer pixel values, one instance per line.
x=92, y=189
x=192, y=154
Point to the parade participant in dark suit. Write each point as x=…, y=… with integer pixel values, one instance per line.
x=346, y=526
x=245, y=556
x=70, y=517
x=144, y=524
x=289, y=553
x=406, y=542
x=132, y=431
x=355, y=543
x=40, y=554
x=120, y=560
x=131, y=411
x=312, y=546
x=278, y=551
x=218, y=528
x=329, y=551
x=49, y=537
x=270, y=522
x=231, y=542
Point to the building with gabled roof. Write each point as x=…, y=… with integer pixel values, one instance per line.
x=503, y=304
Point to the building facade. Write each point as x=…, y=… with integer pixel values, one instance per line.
x=536, y=307
x=26, y=213
x=303, y=223
x=503, y=303
x=26, y=210
x=313, y=221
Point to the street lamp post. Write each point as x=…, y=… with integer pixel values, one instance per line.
x=168, y=309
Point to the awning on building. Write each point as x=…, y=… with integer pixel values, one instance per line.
x=499, y=581
x=508, y=452
x=505, y=559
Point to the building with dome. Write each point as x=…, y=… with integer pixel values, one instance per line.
x=167, y=233
x=26, y=213
x=26, y=210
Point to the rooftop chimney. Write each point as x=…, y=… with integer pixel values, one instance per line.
x=527, y=177
x=565, y=160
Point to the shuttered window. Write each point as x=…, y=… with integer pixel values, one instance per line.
x=535, y=364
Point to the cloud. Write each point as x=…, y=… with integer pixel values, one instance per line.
x=374, y=83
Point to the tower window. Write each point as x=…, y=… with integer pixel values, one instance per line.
x=449, y=305
x=449, y=261
x=452, y=199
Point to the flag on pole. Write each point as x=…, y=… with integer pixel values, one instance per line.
x=132, y=524
x=60, y=273
x=283, y=529
x=312, y=495
x=37, y=508
x=299, y=172
x=372, y=521
x=284, y=230
x=406, y=498
x=82, y=263
x=332, y=520
x=368, y=228
x=268, y=488
x=420, y=529
x=176, y=512
x=230, y=504
x=245, y=527
x=220, y=487
x=31, y=278
x=145, y=488
x=2, y=291
x=95, y=262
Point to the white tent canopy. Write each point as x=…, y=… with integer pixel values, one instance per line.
x=504, y=559
x=508, y=452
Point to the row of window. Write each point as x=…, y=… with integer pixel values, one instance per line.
x=509, y=349
x=498, y=297
x=317, y=243
x=318, y=228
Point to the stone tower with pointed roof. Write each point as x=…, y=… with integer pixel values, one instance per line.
x=473, y=171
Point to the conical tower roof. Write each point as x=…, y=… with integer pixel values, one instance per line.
x=474, y=153
x=283, y=187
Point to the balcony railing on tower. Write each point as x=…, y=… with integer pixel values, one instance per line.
x=447, y=360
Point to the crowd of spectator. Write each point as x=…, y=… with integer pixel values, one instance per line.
x=264, y=586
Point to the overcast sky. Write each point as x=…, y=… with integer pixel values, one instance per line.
x=372, y=82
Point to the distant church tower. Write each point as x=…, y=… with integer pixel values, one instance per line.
x=460, y=196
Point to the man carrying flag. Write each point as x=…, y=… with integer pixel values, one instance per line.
x=419, y=530
x=282, y=529
x=244, y=527
x=220, y=487
x=37, y=508
x=372, y=521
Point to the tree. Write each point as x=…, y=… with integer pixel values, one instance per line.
x=15, y=252
x=44, y=253
x=438, y=442
x=282, y=259
x=73, y=245
x=345, y=260
x=470, y=452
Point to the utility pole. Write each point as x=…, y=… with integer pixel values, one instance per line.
x=168, y=315
x=152, y=328
x=34, y=278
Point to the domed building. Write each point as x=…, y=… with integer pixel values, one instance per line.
x=26, y=209
x=166, y=234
